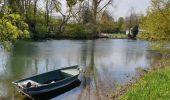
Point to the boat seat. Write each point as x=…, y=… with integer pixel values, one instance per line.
x=71, y=71
x=31, y=83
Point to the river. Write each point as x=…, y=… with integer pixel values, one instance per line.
x=106, y=64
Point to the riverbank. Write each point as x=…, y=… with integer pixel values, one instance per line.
x=153, y=86
x=100, y=35
x=153, y=83
x=88, y=37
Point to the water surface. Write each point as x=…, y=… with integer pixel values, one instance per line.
x=107, y=64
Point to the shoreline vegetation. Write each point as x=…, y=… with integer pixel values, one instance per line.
x=100, y=35
x=156, y=24
x=152, y=85
x=25, y=19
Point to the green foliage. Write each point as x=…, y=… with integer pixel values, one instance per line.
x=41, y=31
x=121, y=24
x=70, y=3
x=15, y=5
x=77, y=31
x=7, y=45
x=107, y=23
x=13, y=27
x=118, y=35
x=38, y=25
x=87, y=16
x=26, y=15
x=156, y=25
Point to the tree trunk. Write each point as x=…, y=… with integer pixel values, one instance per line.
x=95, y=6
x=64, y=21
x=33, y=24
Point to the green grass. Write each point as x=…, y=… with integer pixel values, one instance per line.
x=154, y=85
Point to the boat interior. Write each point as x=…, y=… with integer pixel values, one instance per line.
x=47, y=78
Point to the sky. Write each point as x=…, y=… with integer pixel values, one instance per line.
x=122, y=7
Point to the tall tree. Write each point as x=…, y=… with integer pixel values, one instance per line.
x=121, y=24
x=162, y=6
x=48, y=10
x=107, y=22
x=156, y=24
x=131, y=20
x=67, y=16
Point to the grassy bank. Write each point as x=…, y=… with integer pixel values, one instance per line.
x=154, y=86
x=119, y=35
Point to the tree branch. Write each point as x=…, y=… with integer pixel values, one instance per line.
x=56, y=7
x=108, y=3
x=163, y=14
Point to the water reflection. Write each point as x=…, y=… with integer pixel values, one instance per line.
x=106, y=64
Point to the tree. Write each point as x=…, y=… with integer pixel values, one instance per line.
x=156, y=23
x=49, y=7
x=86, y=14
x=12, y=27
x=107, y=23
x=162, y=6
x=68, y=15
x=81, y=12
x=131, y=20
x=121, y=24
x=98, y=6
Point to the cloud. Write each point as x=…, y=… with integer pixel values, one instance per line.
x=123, y=7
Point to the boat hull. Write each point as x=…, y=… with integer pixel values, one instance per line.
x=69, y=77
x=56, y=92
x=46, y=89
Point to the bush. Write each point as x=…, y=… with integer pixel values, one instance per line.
x=156, y=24
x=41, y=31
x=77, y=31
x=12, y=27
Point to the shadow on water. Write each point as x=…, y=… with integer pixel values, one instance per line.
x=55, y=93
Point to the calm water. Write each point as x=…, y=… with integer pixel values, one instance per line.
x=107, y=64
